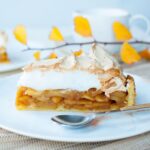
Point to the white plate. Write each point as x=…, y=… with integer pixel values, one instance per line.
x=37, y=124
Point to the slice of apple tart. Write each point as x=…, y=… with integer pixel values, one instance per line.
x=90, y=82
x=3, y=42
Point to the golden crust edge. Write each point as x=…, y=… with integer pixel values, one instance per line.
x=131, y=97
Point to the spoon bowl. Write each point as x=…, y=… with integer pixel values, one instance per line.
x=73, y=121
x=78, y=121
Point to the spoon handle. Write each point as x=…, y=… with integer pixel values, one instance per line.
x=137, y=107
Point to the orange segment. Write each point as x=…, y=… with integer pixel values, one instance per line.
x=82, y=26
x=145, y=54
x=56, y=35
x=52, y=56
x=20, y=34
x=37, y=55
x=121, y=32
x=128, y=54
x=78, y=53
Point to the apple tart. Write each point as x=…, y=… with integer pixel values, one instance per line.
x=90, y=82
x=3, y=42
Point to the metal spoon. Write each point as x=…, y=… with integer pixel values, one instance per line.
x=78, y=121
x=73, y=121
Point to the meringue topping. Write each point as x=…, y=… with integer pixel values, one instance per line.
x=97, y=59
x=72, y=72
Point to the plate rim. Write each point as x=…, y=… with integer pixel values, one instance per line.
x=68, y=140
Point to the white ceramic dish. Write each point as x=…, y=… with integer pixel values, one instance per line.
x=37, y=124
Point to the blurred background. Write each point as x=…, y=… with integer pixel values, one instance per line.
x=45, y=13
x=38, y=16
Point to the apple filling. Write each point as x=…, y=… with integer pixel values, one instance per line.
x=91, y=100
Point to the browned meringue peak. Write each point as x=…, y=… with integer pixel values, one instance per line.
x=42, y=64
x=103, y=58
x=119, y=85
x=97, y=59
x=85, y=62
x=68, y=62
